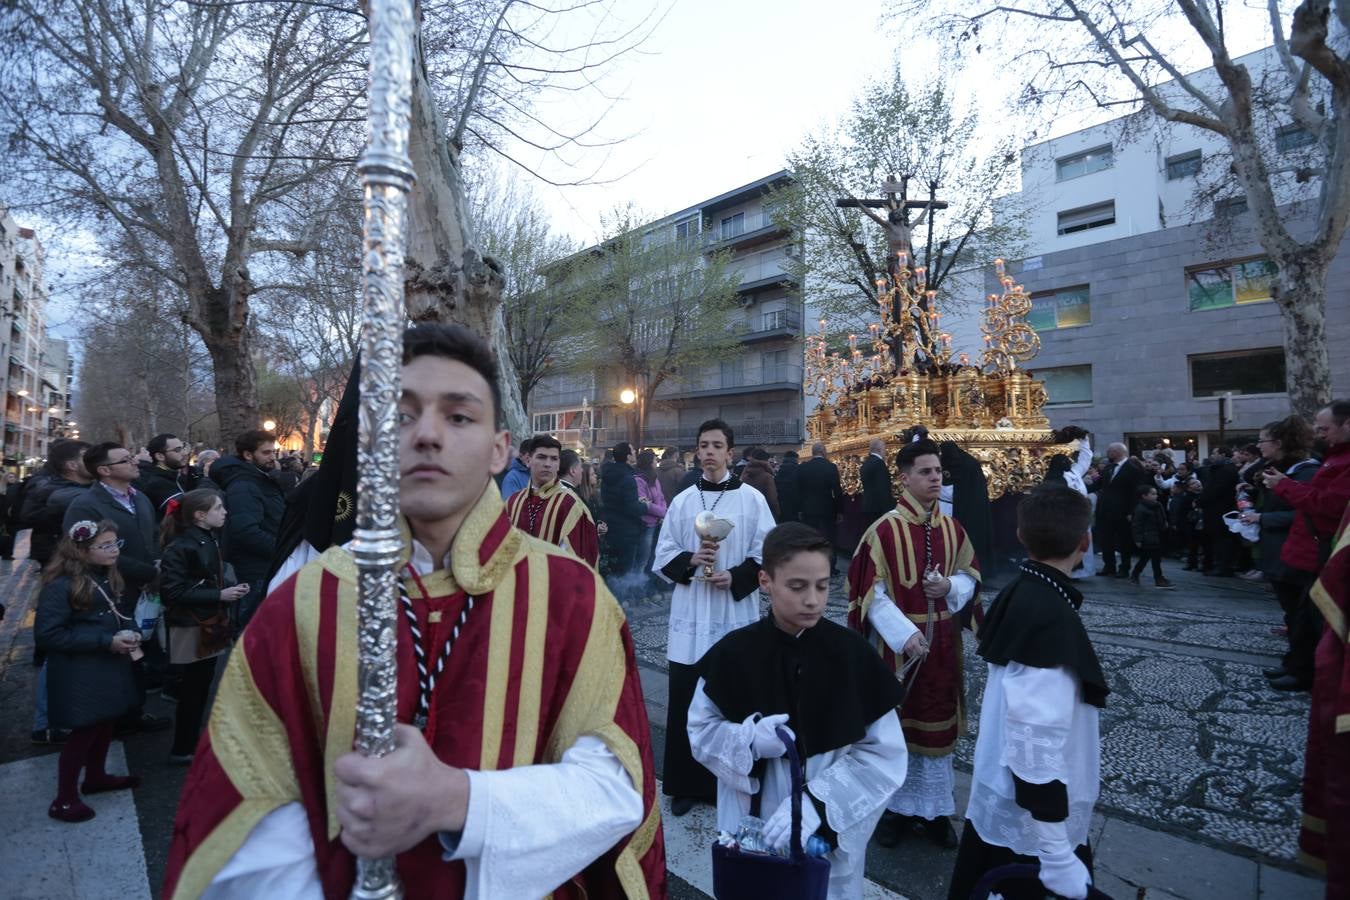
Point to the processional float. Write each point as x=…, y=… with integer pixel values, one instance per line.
x=386, y=179
x=902, y=373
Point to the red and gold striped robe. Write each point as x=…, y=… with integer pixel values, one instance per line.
x=1324, y=841
x=544, y=658
x=892, y=551
x=560, y=518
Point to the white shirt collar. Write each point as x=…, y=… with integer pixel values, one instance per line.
x=421, y=561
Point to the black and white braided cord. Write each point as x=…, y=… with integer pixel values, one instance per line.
x=426, y=676
x=1059, y=589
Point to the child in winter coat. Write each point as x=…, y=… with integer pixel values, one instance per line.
x=90, y=643
x=1148, y=526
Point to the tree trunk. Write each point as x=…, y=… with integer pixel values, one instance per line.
x=446, y=280
x=236, y=388
x=1300, y=290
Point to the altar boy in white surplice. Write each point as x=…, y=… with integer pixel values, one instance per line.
x=827, y=687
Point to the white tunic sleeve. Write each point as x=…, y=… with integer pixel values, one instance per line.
x=857, y=785
x=894, y=626
x=1040, y=707
x=668, y=543
x=531, y=828
x=528, y=830
x=962, y=589
x=723, y=747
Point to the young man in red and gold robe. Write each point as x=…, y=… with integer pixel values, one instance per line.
x=527, y=769
x=913, y=571
x=1324, y=841
x=550, y=511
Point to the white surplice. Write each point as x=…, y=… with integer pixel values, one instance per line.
x=1033, y=723
x=701, y=614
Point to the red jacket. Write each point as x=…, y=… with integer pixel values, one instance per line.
x=1323, y=500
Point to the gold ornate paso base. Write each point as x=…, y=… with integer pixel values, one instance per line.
x=1014, y=459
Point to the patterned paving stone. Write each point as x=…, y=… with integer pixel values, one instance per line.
x=1190, y=744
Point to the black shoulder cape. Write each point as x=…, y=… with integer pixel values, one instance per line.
x=322, y=510
x=1030, y=622
x=828, y=680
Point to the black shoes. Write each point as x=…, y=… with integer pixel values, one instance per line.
x=940, y=832
x=1164, y=585
x=51, y=736
x=1106, y=573
x=889, y=829
x=1277, y=672
x=1134, y=579
x=1289, y=683
x=1121, y=574
x=680, y=806
x=1218, y=573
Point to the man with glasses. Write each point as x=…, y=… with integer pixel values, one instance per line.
x=113, y=497
x=256, y=504
x=167, y=474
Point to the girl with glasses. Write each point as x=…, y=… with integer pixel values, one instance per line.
x=90, y=644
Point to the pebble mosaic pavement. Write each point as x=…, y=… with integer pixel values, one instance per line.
x=1193, y=741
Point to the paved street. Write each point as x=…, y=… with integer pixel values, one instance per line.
x=1201, y=763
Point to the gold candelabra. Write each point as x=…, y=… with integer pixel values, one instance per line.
x=993, y=408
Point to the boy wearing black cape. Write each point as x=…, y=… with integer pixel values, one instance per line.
x=1037, y=755
x=821, y=681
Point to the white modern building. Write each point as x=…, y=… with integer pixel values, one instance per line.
x=1151, y=295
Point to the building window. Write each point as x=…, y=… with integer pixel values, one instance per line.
x=1240, y=372
x=1230, y=207
x=1085, y=163
x=1098, y=215
x=1292, y=137
x=1066, y=384
x=1183, y=165
x=1231, y=284
x=543, y=422
x=1060, y=309
x=733, y=226
x=686, y=230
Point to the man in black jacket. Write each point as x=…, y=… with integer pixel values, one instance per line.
x=1219, y=496
x=256, y=505
x=878, y=497
x=820, y=494
x=623, y=510
x=167, y=474
x=44, y=505
x=789, y=492
x=1116, y=490
x=113, y=497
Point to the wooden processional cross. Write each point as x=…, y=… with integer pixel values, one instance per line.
x=899, y=236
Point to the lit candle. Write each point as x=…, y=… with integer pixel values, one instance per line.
x=903, y=257
x=947, y=339
x=986, y=339
x=998, y=266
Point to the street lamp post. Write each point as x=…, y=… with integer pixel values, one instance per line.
x=627, y=396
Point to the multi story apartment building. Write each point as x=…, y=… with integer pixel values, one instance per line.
x=757, y=389
x=1151, y=295
x=30, y=387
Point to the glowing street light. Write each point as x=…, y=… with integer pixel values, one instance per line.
x=626, y=396
x=269, y=425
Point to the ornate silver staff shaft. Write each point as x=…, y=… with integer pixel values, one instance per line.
x=386, y=177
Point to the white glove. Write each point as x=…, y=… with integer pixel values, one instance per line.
x=1062, y=872
x=766, y=744
x=778, y=828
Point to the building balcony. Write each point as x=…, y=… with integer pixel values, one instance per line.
x=778, y=323
x=730, y=380
x=755, y=230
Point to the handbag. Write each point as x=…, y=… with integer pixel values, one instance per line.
x=742, y=875
x=149, y=614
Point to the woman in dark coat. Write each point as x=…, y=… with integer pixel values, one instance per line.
x=194, y=588
x=1285, y=445
x=90, y=645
